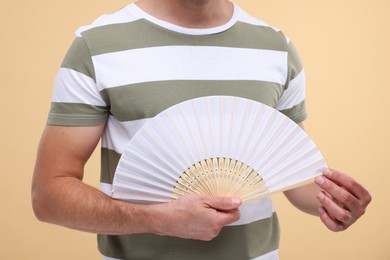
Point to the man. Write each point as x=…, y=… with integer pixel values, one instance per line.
x=129, y=66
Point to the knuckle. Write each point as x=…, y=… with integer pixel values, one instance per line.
x=353, y=184
x=208, y=237
x=334, y=228
x=211, y=232
x=368, y=198
x=340, y=228
x=345, y=216
x=330, y=225
x=347, y=198
x=215, y=227
x=325, y=201
x=361, y=210
x=337, y=227
x=214, y=231
x=205, y=237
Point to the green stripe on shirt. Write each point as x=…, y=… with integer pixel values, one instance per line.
x=241, y=242
x=114, y=37
x=146, y=100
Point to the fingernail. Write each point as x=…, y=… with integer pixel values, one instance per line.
x=320, y=180
x=236, y=201
x=320, y=195
x=327, y=172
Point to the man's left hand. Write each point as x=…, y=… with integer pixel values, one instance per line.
x=343, y=200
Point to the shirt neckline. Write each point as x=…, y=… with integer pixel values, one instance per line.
x=184, y=30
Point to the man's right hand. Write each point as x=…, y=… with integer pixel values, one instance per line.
x=197, y=216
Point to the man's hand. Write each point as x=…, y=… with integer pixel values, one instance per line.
x=343, y=200
x=197, y=216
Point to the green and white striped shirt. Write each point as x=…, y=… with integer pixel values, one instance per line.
x=128, y=66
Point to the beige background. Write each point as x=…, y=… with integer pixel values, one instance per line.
x=345, y=48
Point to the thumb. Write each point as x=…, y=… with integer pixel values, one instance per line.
x=224, y=203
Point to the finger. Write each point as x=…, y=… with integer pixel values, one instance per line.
x=350, y=184
x=228, y=217
x=226, y=208
x=334, y=210
x=223, y=203
x=329, y=222
x=339, y=194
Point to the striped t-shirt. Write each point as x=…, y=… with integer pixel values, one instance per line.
x=128, y=66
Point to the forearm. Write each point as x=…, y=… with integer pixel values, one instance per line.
x=68, y=202
x=305, y=198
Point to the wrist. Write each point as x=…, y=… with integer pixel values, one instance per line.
x=139, y=218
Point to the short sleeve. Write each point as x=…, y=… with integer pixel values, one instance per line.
x=292, y=101
x=76, y=100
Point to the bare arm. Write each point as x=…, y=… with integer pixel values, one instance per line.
x=60, y=197
x=338, y=199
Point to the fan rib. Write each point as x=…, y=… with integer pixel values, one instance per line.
x=191, y=134
x=168, y=137
x=200, y=130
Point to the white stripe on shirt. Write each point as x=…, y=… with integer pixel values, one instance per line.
x=189, y=63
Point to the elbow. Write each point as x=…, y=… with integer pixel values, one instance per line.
x=39, y=206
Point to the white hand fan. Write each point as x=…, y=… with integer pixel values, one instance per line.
x=219, y=145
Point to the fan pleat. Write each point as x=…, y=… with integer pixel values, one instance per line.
x=256, y=153
x=279, y=149
x=273, y=163
x=293, y=166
